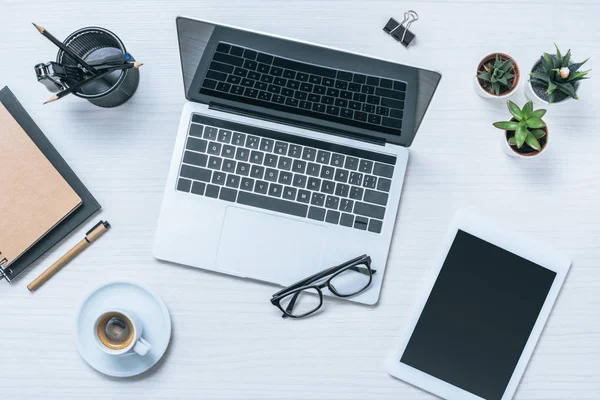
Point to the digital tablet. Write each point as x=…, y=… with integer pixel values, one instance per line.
x=481, y=314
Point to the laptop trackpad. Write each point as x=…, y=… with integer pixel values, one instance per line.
x=269, y=248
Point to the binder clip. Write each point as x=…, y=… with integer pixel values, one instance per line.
x=400, y=31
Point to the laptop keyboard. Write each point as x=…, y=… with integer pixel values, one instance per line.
x=287, y=174
x=252, y=77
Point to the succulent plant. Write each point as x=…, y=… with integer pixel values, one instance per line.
x=559, y=73
x=527, y=127
x=498, y=75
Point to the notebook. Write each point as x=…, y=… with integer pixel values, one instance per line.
x=35, y=197
x=89, y=205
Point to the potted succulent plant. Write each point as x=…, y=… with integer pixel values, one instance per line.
x=526, y=134
x=554, y=78
x=497, y=76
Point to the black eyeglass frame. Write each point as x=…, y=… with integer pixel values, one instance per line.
x=307, y=283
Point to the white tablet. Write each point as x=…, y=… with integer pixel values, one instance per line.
x=481, y=314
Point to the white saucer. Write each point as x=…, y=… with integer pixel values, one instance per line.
x=150, y=308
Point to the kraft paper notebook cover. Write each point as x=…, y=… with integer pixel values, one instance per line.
x=35, y=196
x=88, y=207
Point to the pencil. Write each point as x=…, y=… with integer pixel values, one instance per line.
x=64, y=48
x=79, y=85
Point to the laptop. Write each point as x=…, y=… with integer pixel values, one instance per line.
x=289, y=158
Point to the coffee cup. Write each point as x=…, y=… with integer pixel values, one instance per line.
x=119, y=332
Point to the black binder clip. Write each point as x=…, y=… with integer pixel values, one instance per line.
x=400, y=31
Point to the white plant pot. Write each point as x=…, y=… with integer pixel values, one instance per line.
x=508, y=149
x=481, y=92
x=537, y=100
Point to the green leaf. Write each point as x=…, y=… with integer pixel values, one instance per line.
x=558, y=55
x=540, y=75
x=521, y=134
x=512, y=141
x=551, y=97
x=538, y=133
x=505, y=66
x=551, y=87
x=506, y=125
x=535, y=123
x=514, y=110
x=567, y=58
x=567, y=88
x=548, y=62
x=527, y=109
x=496, y=87
x=578, y=76
x=509, y=75
x=537, y=114
x=503, y=81
x=575, y=66
x=484, y=76
x=533, y=142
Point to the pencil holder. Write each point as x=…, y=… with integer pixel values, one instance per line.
x=113, y=89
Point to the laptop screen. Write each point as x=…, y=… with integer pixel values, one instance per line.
x=303, y=84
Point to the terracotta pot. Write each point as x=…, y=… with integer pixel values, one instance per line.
x=516, y=80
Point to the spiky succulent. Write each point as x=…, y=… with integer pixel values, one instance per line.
x=498, y=75
x=559, y=73
x=527, y=127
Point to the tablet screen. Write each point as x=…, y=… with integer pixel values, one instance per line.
x=478, y=317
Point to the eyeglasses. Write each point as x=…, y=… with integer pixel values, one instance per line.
x=305, y=297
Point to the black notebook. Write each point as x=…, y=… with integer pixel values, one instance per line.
x=89, y=204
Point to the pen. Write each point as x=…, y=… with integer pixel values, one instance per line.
x=98, y=230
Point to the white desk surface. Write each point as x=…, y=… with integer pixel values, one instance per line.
x=228, y=341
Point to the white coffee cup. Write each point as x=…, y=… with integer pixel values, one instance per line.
x=118, y=332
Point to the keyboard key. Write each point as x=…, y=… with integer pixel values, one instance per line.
x=270, y=160
x=198, y=188
x=217, y=66
x=384, y=184
x=275, y=190
x=320, y=90
x=365, y=166
x=393, y=94
x=209, y=83
x=392, y=123
x=234, y=79
x=386, y=83
x=263, y=68
x=249, y=92
x=223, y=87
x=361, y=223
x=289, y=74
x=263, y=95
x=281, y=148
x=301, y=67
x=328, y=82
x=289, y=193
x=184, y=185
x=288, y=93
x=278, y=99
x=355, y=105
x=302, y=96
x=337, y=160
x=333, y=110
x=323, y=157
x=275, y=71
x=228, y=151
x=218, y=178
x=242, y=154
x=247, y=184
x=251, y=66
x=314, y=79
x=257, y=171
x=341, y=189
x=346, y=205
x=212, y=191
x=392, y=103
x=361, y=98
x=319, y=108
x=241, y=72
x=332, y=217
x=299, y=166
x=328, y=100
x=359, y=78
x=302, y=76
x=256, y=157
x=303, y=196
x=375, y=225
x=351, y=163
x=400, y=86
x=369, y=210
x=347, y=220
x=383, y=111
x=264, y=58
x=306, y=87
x=261, y=187
x=328, y=187
x=375, y=197
x=214, y=148
x=332, y=202
x=197, y=159
x=214, y=162
x=267, y=144
x=317, y=199
x=238, y=139
x=316, y=213
x=366, y=89
x=269, y=79
x=356, y=178
x=342, y=85
x=369, y=181
x=233, y=181
x=235, y=50
x=373, y=81
x=196, y=130
x=252, y=142
x=291, y=102
x=327, y=172
x=333, y=92
x=346, y=113
x=374, y=119
x=341, y=175
x=309, y=154
x=314, y=184
x=250, y=54
x=312, y=169
x=243, y=169
x=284, y=163
x=228, y=166
x=237, y=90
x=271, y=175
x=299, y=181
x=356, y=193
x=272, y=204
x=292, y=84
x=360, y=116
x=210, y=133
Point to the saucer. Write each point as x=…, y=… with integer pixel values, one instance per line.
x=151, y=310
